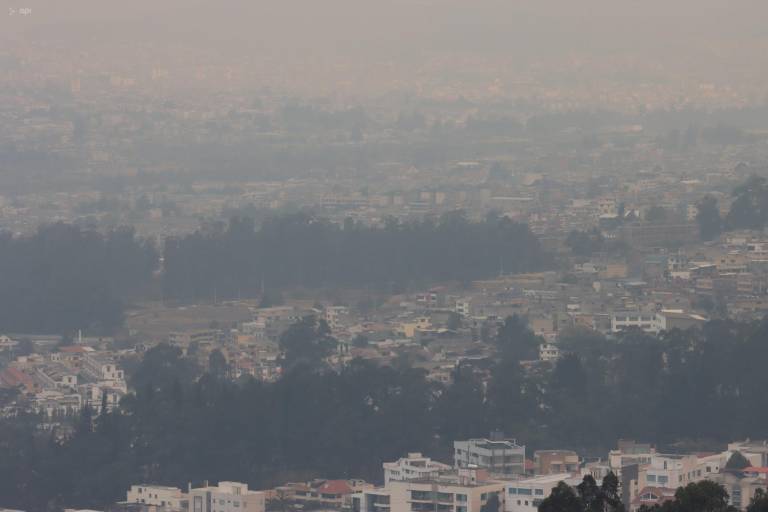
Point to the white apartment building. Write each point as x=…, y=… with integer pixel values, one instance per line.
x=498, y=455
x=157, y=495
x=549, y=352
x=103, y=369
x=226, y=497
x=670, y=471
x=414, y=466
x=621, y=320
x=464, y=307
x=526, y=495
x=465, y=490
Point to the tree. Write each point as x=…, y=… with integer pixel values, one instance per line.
x=703, y=496
x=516, y=341
x=454, y=321
x=585, y=243
x=656, y=215
x=749, y=209
x=25, y=347
x=611, y=493
x=562, y=499
x=708, y=218
x=590, y=495
x=759, y=502
x=737, y=461
x=217, y=364
x=307, y=341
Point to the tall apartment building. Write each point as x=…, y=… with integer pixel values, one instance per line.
x=498, y=455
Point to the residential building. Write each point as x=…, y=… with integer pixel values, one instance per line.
x=226, y=497
x=527, y=494
x=498, y=455
x=157, y=495
x=650, y=496
x=547, y=462
x=464, y=490
x=329, y=494
x=414, y=466
x=622, y=320
x=742, y=485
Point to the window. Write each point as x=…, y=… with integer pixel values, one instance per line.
x=526, y=492
x=461, y=497
x=663, y=479
x=651, y=478
x=526, y=503
x=236, y=504
x=539, y=492
x=484, y=496
x=512, y=490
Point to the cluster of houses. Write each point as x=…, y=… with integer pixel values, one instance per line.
x=62, y=380
x=486, y=472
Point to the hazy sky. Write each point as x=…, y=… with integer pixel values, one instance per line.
x=448, y=24
x=723, y=38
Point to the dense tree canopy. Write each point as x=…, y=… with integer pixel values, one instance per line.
x=345, y=423
x=586, y=497
x=64, y=278
x=298, y=250
x=750, y=205
x=703, y=496
x=708, y=218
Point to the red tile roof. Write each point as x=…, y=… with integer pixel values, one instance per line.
x=13, y=377
x=335, y=487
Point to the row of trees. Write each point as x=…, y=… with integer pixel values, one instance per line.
x=704, y=387
x=749, y=210
x=704, y=496
x=298, y=250
x=63, y=278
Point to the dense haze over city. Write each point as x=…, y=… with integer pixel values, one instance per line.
x=383, y=256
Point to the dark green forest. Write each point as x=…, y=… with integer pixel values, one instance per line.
x=705, y=387
x=64, y=278
x=239, y=259
x=749, y=209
